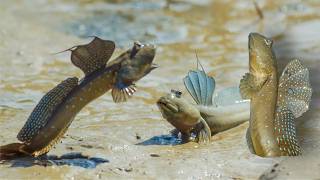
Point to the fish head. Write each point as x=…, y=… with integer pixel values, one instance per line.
x=139, y=62
x=177, y=111
x=261, y=55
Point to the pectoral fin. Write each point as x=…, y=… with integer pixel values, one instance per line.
x=294, y=90
x=203, y=132
x=250, y=85
x=121, y=93
x=93, y=56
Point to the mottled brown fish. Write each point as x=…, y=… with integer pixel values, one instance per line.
x=212, y=114
x=274, y=102
x=56, y=110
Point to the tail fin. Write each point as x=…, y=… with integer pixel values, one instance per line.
x=200, y=86
x=11, y=151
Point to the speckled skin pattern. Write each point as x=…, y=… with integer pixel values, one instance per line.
x=262, y=66
x=91, y=87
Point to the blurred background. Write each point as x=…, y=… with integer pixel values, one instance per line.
x=31, y=32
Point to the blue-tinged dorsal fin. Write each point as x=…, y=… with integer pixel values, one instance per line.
x=200, y=86
x=294, y=91
x=93, y=56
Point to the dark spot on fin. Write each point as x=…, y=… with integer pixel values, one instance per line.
x=285, y=131
x=294, y=90
x=44, y=109
x=203, y=132
x=250, y=85
x=93, y=56
x=121, y=93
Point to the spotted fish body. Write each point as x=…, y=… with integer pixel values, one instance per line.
x=44, y=109
x=56, y=110
x=274, y=104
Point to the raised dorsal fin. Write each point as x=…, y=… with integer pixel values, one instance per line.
x=44, y=109
x=92, y=56
x=200, y=86
x=294, y=91
x=294, y=95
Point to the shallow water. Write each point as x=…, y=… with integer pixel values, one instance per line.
x=133, y=137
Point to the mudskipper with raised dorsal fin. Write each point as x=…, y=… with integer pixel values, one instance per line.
x=212, y=113
x=56, y=110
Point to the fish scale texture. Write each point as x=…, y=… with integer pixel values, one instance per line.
x=45, y=108
x=294, y=96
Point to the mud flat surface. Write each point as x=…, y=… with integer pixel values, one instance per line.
x=131, y=140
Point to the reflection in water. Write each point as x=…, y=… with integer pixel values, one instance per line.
x=162, y=140
x=69, y=159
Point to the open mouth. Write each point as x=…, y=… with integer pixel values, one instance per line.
x=161, y=103
x=167, y=106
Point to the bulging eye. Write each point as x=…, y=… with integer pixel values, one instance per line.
x=176, y=93
x=268, y=42
x=136, y=47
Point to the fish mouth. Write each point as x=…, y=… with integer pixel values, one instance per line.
x=165, y=105
x=154, y=66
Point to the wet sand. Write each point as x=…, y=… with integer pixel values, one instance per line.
x=132, y=138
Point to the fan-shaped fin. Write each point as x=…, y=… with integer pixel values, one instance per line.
x=93, y=56
x=294, y=90
x=123, y=94
x=44, y=109
x=200, y=86
x=250, y=85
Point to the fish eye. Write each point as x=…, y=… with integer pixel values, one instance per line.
x=268, y=42
x=136, y=47
x=138, y=44
x=176, y=93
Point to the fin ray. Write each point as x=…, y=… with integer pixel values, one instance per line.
x=294, y=90
x=123, y=94
x=200, y=86
x=190, y=88
x=203, y=132
x=249, y=85
x=92, y=56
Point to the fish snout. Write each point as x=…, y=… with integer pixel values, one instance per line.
x=166, y=105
